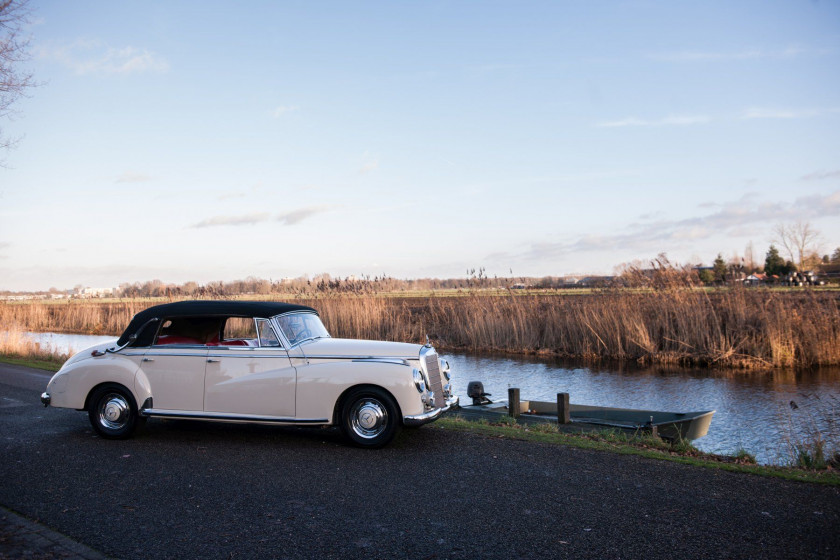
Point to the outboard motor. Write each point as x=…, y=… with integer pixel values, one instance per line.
x=475, y=391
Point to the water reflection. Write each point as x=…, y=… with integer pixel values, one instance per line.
x=67, y=343
x=753, y=408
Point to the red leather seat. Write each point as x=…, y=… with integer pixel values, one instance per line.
x=173, y=339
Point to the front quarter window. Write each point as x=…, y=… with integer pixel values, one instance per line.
x=298, y=327
x=267, y=336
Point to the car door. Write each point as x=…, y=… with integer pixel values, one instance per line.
x=174, y=365
x=250, y=373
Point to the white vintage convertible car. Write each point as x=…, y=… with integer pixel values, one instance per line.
x=255, y=362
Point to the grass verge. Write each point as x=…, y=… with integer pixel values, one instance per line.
x=644, y=446
x=45, y=364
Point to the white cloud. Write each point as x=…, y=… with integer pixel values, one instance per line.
x=732, y=219
x=671, y=120
x=297, y=216
x=94, y=57
x=240, y=220
x=288, y=218
x=819, y=175
x=370, y=166
x=283, y=109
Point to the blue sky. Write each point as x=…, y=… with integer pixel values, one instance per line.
x=206, y=141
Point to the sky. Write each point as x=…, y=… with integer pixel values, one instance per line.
x=204, y=141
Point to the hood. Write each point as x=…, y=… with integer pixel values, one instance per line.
x=355, y=348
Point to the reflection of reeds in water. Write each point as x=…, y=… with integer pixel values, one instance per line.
x=732, y=328
x=813, y=439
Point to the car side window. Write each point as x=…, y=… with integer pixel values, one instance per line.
x=267, y=334
x=191, y=331
x=239, y=331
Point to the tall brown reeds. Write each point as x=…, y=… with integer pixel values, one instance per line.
x=728, y=328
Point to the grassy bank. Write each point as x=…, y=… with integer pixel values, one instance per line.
x=644, y=446
x=724, y=328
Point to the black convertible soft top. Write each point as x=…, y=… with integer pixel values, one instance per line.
x=202, y=309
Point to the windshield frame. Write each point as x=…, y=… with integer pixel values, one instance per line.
x=277, y=319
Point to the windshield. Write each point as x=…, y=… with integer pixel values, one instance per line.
x=298, y=327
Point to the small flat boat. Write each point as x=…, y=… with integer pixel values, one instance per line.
x=669, y=425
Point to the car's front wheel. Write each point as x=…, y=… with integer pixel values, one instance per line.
x=369, y=417
x=113, y=412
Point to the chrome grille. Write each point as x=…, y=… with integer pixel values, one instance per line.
x=433, y=369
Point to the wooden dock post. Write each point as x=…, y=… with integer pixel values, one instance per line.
x=563, y=412
x=513, y=402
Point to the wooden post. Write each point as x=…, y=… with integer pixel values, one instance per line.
x=563, y=412
x=513, y=403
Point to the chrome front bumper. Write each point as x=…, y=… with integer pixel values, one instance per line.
x=45, y=398
x=432, y=415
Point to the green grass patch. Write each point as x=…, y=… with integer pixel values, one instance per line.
x=615, y=441
x=48, y=365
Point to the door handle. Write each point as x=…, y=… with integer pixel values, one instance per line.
x=148, y=359
x=212, y=360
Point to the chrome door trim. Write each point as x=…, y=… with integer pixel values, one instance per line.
x=229, y=417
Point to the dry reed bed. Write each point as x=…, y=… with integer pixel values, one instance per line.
x=734, y=328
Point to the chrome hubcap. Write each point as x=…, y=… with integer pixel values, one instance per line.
x=368, y=418
x=114, y=411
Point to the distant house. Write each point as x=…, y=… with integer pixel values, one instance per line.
x=596, y=281
x=518, y=287
x=89, y=292
x=756, y=279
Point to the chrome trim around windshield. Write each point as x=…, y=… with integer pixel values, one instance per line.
x=229, y=417
x=432, y=415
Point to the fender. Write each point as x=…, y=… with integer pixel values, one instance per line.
x=79, y=378
x=321, y=383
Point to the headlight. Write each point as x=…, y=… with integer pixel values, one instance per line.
x=444, y=368
x=419, y=381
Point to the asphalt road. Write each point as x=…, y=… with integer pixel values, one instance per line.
x=192, y=490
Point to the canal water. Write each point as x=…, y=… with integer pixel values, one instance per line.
x=766, y=413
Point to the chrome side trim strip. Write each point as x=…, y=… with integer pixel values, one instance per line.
x=399, y=359
x=425, y=418
x=273, y=356
x=229, y=417
x=175, y=354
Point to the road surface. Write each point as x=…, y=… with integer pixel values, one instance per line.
x=192, y=490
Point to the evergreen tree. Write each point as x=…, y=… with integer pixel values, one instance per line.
x=835, y=256
x=774, y=263
x=706, y=276
x=719, y=268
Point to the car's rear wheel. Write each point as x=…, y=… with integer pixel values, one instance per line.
x=369, y=417
x=113, y=412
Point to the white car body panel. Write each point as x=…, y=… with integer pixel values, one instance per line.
x=259, y=381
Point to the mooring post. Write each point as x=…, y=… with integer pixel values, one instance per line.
x=513, y=402
x=563, y=412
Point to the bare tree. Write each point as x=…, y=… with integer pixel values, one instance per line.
x=13, y=51
x=798, y=239
x=749, y=257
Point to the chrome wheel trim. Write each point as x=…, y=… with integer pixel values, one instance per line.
x=368, y=418
x=114, y=411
